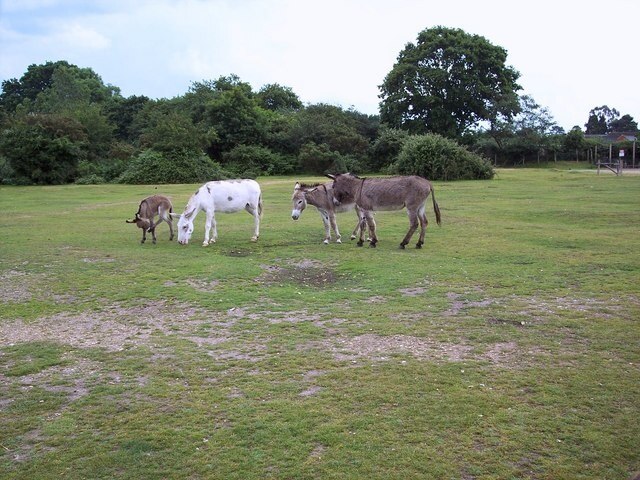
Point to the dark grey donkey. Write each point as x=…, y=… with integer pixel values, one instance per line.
x=393, y=193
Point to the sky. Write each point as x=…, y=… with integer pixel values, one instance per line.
x=572, y=56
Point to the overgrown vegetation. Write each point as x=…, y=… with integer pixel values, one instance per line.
x=59, y=123
x=438, y=158
x=506, y=348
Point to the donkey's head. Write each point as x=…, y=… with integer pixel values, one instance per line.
x=141, y=222
x=185, y=225
x=345, y=187
x=299, y=200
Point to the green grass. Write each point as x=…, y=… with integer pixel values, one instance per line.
x=508, y=347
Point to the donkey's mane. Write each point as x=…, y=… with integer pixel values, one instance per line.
x=310, y=185
x=193, y=201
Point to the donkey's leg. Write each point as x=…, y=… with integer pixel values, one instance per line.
x=358, y=225
x=422, y=216
x=170, y=223
x=154, y=227
x=334, y=225
x=152, y=230
x=368, y=220
x=361, y=229
x=253, y=210
x=144, y=235
x=356, y=230
x=209, y=224
x=413, y=226
x=324, y=215
x=371, y=222
x=164, y=215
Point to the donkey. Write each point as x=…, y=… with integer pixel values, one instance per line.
x=392, y=193
x=321, y=196
x=147, y=210
x=226, y=196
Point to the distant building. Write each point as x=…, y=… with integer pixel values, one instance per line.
x=615, y=137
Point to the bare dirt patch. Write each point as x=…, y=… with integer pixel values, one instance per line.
x=113, y=329
x=308, y=273
x=377, y=347
x=380, y=348
x=203, y=285
x=459, y=304
x=15, y=286
x=413, y=292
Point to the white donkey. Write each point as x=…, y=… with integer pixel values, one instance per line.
x=226, y=196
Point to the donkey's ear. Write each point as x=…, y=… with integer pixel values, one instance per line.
x=332, y=177
x=174, y=215
x=297, y=186
x=189, y=214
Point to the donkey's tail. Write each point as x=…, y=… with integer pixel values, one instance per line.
x=260, y=206
x=436, y=208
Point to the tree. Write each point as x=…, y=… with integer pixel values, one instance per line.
x=534, y=117
x=329, y=125
x=386, y=147
x=235, y=116
x=447, y=82
x=599, y=120
x=44, y=149
x=121, y=112
x=574, y=141
x=37, y=79
x=626, y=123
x=79, y=94
x=276, y=97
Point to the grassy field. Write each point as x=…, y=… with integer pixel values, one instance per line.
x=507, y=348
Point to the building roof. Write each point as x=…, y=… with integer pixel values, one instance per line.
x=615, y=137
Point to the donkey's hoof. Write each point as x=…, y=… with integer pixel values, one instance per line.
x=325, y=241
x=338, y=240
x=353, y=237
x=402, y=246
x=418, y=245
x=254, y=239
x=372, y=245
x=360, y=243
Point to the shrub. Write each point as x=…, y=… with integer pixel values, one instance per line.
x=249, y=161
x=385, y=149
x=91, y=179
x=319, y=159
x=437, y=158
x=172, y=167
x=43, y=149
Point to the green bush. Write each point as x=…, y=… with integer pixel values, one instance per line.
x=319, y=159
x=385, y=149
x=437, y=158
x=43, y=149
x=249, y=161
x=172, y=167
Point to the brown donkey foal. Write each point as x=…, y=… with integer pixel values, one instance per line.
x=394, y=193
x=150, y=207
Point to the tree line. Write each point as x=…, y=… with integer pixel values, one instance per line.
x=449, y=109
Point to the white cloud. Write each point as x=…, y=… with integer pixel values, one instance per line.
x=78, y=36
